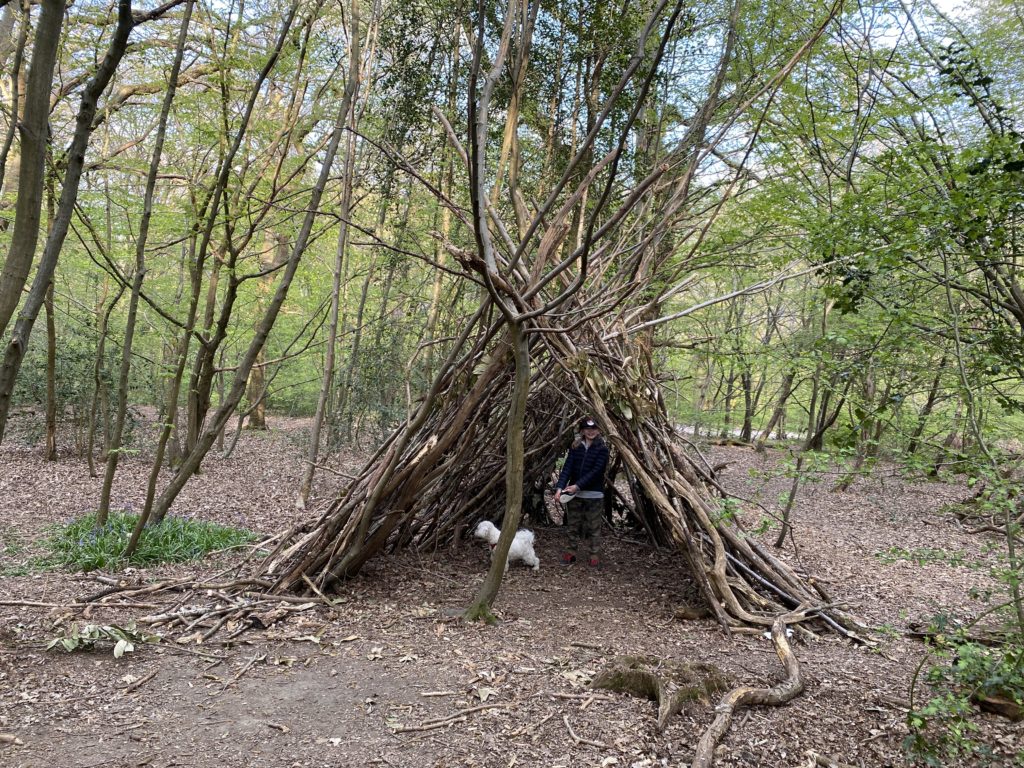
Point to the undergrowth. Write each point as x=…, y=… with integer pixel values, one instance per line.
x=82, y=546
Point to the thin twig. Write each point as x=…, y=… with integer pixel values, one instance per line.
x=244, y=669
x=530, y=727
x=140, y=682
x=580, y=739
x=430, y=725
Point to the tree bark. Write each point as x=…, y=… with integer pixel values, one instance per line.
x=224, y=411
x=28, y=209
x=51, y=377
x=16, y=116
x=21, y=249
x=344, y=212
x=113, y=454
x=519, y=345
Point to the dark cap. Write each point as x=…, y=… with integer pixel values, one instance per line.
x=588, y=423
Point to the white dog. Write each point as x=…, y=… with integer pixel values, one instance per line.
x=522, y=544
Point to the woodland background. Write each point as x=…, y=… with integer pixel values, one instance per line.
x=777, y=221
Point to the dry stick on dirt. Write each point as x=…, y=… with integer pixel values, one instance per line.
x=579, y=739
x=458, y=717
x=140, y=682
x=780, y=694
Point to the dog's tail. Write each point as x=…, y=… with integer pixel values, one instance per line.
x=527, y=535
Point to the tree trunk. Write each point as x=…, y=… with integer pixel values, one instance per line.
x=514, y=469
x=31, y=172
x=747, y=431
x=99, y=373
x=244, y=368
x=344, y=212
x=926, y=410
x=51, y=378
x=113, y=455
x=15, y=115
x=785, y=390
x=257, y=388
x=84, y=124
x=345, y=407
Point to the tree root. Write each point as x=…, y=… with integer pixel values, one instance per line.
x=672, y=684
x=791, y=687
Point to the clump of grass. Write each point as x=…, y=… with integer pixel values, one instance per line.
x=82, y=546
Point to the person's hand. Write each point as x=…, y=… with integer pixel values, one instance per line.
x=558, y=493
x=572, y=489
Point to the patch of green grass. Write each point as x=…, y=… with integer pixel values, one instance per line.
x=11, y=544
x=81, y=546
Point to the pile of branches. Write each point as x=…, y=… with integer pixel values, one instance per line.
x=445, y=470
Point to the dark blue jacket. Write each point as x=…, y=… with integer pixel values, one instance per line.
x=585, y=466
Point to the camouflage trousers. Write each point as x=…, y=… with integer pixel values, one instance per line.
x=584, y=517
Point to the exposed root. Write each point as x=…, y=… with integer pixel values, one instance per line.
x=672, y=684
x=787, y=690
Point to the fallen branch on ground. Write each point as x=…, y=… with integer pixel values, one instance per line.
x=579, y=739
x=136, y=684
x=430, y=725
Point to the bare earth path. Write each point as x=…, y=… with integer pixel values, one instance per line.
x=381, y=679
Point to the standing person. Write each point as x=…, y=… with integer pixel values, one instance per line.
x=583, y=477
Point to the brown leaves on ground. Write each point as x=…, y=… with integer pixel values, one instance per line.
x=383, y=676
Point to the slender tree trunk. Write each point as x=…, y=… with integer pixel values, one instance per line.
x=747, y=430
x=17, y=346
x=926, y=410
x=257, y=389
x=51, y=377
x=818, y=425
x=514, y=463
x=785, y=390
x=16, y=75
x=113, y=455
x=345, y=211
x=345, y=409
x=730, y=389
x=202, y=367
x=99, y=374
x=702, y=397
x=31, y=175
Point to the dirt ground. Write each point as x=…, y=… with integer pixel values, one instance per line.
x=381, y=677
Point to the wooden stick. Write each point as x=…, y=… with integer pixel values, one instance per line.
x=243, y=670
x=580, y=739
x=529, y=728
x=314, y=587
x=459, y=716
x=140, y=682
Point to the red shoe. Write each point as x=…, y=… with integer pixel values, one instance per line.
x=594, y=562
x=568, y=558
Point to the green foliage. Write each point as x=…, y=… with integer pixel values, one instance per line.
x=82, y=546
x=961, y=672
x=84, y=638
x=727, y=510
